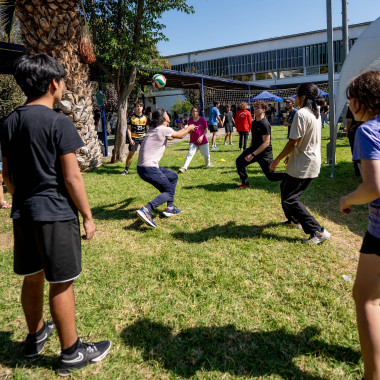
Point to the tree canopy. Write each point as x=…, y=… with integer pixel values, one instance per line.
x=125, y=34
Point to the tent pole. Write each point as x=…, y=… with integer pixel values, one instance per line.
x=249, y=97
x=202, y=99
x=331, y=147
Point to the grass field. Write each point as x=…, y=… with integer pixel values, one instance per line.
x=218, y=292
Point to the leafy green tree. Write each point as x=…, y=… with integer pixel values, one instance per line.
x=11, y=95
x=125, y=34
x=182, y=106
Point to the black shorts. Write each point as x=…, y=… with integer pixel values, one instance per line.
x=371, y=244
x=213, y=128
x=229, y=128
x=54, y=247
x=133, y=148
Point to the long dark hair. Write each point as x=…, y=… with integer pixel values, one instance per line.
x=310, y=90
x=158, y=117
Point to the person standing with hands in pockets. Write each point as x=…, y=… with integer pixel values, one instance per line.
x=364, y=96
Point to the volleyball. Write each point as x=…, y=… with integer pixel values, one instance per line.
x=158, y=81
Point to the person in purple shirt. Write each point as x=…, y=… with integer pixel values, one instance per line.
x=198, y=140
x=364, y=94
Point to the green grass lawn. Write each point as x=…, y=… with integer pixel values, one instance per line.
x=217, y=292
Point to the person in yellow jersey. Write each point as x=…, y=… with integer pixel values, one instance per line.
x=137, y=128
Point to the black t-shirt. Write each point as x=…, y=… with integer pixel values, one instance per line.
x=33, y=138
x=354, y=124
x=259, y=129
x=228, y=119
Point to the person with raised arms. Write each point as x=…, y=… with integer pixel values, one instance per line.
x=163, y=179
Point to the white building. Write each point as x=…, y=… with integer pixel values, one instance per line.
x=281, y=62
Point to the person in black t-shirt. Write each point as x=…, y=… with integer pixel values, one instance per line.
x=352, y=126
x=228, y=122
x=260, y=150
x=41, y=173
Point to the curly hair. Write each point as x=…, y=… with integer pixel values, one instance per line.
x=261, y=104
x=243, y=106
x=366, y=89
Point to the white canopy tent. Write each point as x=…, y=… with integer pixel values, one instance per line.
x=364, y=56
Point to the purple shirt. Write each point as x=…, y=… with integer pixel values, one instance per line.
x=195, y=135
x=367, y=146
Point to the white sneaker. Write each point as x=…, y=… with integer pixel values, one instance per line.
x=182, y=170
x=318, y=238
x=210, y=165
x=225, y=143
x=231, y=143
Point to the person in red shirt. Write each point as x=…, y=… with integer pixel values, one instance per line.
x=243, y=124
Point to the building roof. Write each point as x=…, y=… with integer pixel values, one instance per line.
x=180, y=79
x=8, y=54
x=264, y=40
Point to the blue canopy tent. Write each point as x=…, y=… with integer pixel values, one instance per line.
x=267, y=97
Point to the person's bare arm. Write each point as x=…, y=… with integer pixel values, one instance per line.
x=183, y=132
x=348, y=124
x=367, y=191
x=289, y=147
x=75, y=186
x=7, y=181
x=130, y=135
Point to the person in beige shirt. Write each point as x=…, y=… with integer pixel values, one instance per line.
x=303, y=159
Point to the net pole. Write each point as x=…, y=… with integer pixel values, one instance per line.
x=249, y=97
x=202, y=99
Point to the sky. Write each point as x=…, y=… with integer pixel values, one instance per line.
x=218, y=23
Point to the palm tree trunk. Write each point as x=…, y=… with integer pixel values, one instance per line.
x=53, y=27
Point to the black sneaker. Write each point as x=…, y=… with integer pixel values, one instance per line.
x=35, y=343
x=86, y=353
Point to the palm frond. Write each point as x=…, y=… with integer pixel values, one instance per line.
x=7, y=10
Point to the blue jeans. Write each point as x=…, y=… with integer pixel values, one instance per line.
x=162, y=179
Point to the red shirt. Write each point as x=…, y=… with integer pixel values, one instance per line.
x=243, y=121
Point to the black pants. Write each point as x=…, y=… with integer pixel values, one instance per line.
x=351, y=138
x=263, y=161
x=291, y=190
x=243, y=136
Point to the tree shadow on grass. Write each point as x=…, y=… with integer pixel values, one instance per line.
x=231, y=230
x=226, y=349
x=11, y=355
x=119, y=212
x=109, y=169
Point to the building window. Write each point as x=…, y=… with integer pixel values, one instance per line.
x=285, y=74
x=247, y=78
x=314, y=70
x=297, y=72
x=261, y=76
